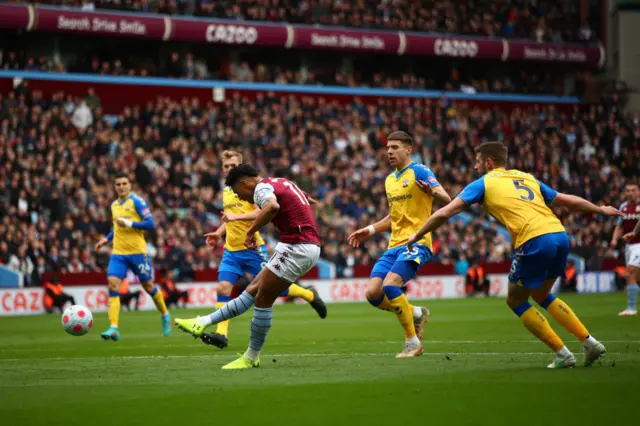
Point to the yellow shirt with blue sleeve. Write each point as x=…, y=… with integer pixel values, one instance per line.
x=518, y=201
x=410, y=207
x=236, y=231
x=127, y=241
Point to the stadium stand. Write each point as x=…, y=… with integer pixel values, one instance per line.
x=58, y=155
x=540, y=20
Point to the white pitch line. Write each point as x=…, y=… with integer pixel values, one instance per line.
x=291, y=355
x=381, y=342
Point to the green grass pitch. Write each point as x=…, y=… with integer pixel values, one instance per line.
x=481, y=367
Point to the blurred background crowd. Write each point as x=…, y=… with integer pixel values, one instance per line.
x=58, y=157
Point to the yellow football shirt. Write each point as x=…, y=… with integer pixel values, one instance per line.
x=410, y=207
x=237, y=230
x=130, y=240
x=518, y=201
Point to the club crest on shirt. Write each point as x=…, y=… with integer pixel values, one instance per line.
x=126, y=207
x=405, y=183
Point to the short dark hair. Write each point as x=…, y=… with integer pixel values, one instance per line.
x=497, y=151
x=121, y=175
x=242, y=171
x=400, y=136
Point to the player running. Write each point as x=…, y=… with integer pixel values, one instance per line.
x=131, y=216
x=238, y=259
x=410, y=189
x=541, y=245
x=289, y=209
x=627, y=226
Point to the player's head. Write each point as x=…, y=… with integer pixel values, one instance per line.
x=230, y=159
x=490, y=155
x=631, y=191
x=123, y=185
x=399, y=146
x=243, y=180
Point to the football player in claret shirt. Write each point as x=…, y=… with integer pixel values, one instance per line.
x=410, y=189
x=238, y=259
x=282, y=203
x=131, y=217
x=627, y=226
x=541, y=245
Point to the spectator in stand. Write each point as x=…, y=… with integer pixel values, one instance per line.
x=22, y=263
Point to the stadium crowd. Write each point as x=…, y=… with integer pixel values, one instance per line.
x=58, y=157
x=542, y=20
x=526, y=79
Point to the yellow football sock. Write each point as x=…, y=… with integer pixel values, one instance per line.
x=404, y=311
x=113, y=311
x=158, y=299
x=223, y=327
x=381, y=303
x=296, y=291
x=538, y=325
x=562, y=313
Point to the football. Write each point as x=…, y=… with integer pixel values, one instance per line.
x=77, y=320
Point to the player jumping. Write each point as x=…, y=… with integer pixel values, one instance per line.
x=410, y=189
x=237, y=259
x=627, y=226
x=131, y=216
x=541, y=245
x=284, y=204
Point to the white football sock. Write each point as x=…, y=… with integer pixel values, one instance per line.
x=413, y=341
x=590, y=341
x=205, y=320
x=252, y=354
x=564, y=352
x=417, y=312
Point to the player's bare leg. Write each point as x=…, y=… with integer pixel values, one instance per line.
x=537, y=324
x=390, y=292
x=631, y=275
x=269, y=288
x=112, y=333
x=562, y=313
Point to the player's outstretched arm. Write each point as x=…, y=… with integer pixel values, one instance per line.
x=617, y=233
x=267, y=212
x=437, y=192
x=232, y=217
x=143, y=211
x=213, y=238
x=633, y=234
x=104, y=241
x=437, y=219
x=576, y=203
x=363, y=233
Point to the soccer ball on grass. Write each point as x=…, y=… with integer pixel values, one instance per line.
x=77, y=320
